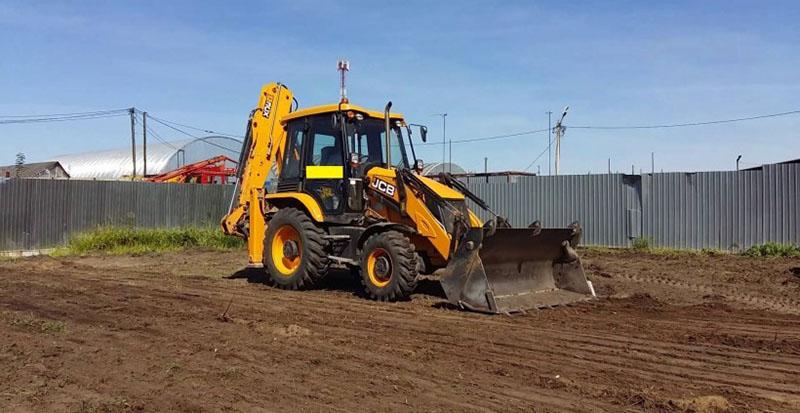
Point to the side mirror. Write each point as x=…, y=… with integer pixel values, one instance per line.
x=419, y=166
x=423, y=130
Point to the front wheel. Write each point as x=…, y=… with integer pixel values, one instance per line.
x=294, y=250
x=388, y=266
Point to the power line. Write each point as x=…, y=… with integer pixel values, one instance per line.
x=680, y=125
x=63, y=118
x=194, y=136
x=125, y=110
x=154, y=134
x=539, y=156
x=489, y=138
x=197, y=129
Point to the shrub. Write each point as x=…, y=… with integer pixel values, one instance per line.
x=773, y=249
x=641, y=244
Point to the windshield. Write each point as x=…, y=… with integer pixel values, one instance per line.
x=367, y=139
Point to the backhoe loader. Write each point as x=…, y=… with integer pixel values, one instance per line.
x=331, y=186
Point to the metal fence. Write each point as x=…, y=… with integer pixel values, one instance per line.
x=720, y=210
x=37, y=213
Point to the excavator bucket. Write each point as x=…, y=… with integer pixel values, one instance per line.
x=516, y=269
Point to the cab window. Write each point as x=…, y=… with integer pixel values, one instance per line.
x=326, y=150
x=325, y=146
x=294, y=150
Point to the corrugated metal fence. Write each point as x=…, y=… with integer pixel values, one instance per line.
x=38, y=213
x=720, y=210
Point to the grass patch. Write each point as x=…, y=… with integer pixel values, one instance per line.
x=641, y=244
x=114, y=240
x=773, y=249
x=648, y=249
x=43, y=326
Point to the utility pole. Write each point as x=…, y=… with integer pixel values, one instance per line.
x=144, y=144
x=133, y=142
x=609, y=166
x=444, y=135
x=559, y=129
x=485, y=165
x=652, y=162
x=738, y=158
x=451, y=157
x=538, y=169
x=549, y=141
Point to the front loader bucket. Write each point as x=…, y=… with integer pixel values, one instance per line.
x=516, y=269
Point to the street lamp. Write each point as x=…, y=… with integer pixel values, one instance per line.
x=559, y=130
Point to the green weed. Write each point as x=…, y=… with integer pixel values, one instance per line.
x=773, y=249
x=126, y=240
x=29, y=321
x=641, y=244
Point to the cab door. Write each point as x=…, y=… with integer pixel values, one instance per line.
x=324, y=165
x=291, y=175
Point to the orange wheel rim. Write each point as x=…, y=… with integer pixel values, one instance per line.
x=287, y=250
x=379, y=267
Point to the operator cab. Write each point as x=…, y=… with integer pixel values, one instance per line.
x=330, y=149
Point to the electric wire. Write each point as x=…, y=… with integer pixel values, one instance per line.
x=488, y=138
x=61, y=118
x=540, y=155
x=681, y=125
x=153, y=133
x=194, y=136
x=50, y=115
x=196, y=128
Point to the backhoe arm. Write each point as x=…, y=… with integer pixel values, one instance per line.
x=262, y=151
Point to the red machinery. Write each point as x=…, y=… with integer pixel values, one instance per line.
x=202, y=172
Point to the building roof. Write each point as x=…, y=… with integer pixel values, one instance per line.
x=161, y=157
x=438, y=167
x=35, y=170
x=759, y=167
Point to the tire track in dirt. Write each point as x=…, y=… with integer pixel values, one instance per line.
x=717, y=379
x=607, y=355
x=778, y=304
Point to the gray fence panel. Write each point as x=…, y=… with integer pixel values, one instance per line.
x=721, y=210
x=38, y=213
x=601, y=203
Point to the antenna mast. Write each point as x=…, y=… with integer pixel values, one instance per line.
x=343, y=66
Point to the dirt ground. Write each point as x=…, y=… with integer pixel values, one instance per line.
x=685, y=332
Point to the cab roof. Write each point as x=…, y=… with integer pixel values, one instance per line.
x=335, y=107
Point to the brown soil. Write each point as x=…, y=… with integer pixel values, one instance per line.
x=150, y=333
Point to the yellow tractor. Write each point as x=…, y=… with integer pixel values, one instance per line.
x=333, y=186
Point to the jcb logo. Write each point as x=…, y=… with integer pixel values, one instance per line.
x=267, y=106
x=383, y=186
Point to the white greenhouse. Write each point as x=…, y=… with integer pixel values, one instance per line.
x=162, y=157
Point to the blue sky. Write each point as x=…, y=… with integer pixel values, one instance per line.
x=495, y=68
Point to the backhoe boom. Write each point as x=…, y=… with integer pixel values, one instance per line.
x=262, y=153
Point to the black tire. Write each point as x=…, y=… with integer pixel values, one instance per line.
x=399, y=280
x=313, y=261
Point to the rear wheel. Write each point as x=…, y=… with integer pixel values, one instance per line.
x=294, y=250
x=388, y=266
